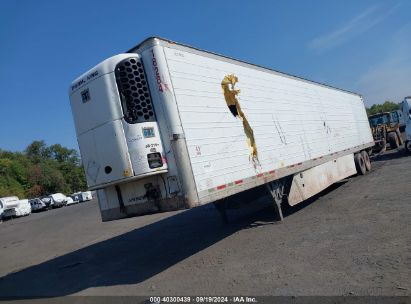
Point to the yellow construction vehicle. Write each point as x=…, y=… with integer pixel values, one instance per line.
x=385, y=129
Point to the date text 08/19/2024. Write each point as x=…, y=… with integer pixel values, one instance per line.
x=203, y=299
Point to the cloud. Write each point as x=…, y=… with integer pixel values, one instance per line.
x=389, y=79
x=354, y=27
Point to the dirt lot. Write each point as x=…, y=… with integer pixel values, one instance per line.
x=352, y=240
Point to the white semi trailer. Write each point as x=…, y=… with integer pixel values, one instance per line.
x=167, y=126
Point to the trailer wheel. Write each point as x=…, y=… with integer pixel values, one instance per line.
x=360, y=164
x=400, y=140
x=383, y=145
x=393, y=140
x=367, y=160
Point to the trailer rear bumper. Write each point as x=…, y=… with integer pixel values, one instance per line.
x=162, y=205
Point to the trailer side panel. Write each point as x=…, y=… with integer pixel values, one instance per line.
x=296, y=124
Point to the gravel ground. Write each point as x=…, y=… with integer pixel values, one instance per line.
x=354, y=239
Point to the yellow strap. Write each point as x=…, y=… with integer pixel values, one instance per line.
x=230, y=95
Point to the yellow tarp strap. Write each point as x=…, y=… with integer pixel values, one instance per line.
x=230, y=95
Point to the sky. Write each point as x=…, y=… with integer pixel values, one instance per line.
x=361, y=46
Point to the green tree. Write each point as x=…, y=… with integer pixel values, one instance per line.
x=40, y=170
x=52, y=179
x=64, y=155
x=13, y=177
x=387, y=106
x=38, y=151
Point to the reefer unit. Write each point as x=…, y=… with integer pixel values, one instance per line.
x=166, y=126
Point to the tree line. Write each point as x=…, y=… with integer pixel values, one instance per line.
x=40, y=170
x=387, y=106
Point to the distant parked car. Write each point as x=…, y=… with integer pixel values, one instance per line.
x=13, y=207
x=7, y=203
x=76, y=197
x=37, y=205
x=87, y=195
x=47, y=201
x=82, y=196
x=70, y=201
x=58, y=200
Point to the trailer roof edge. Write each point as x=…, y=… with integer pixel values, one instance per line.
x=154, y=40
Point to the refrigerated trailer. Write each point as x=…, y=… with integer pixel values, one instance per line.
x=166, y=126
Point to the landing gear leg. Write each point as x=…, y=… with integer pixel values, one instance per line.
x=221, y=206
x=276, y=190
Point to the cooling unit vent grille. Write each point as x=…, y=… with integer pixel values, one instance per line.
x=134, y=93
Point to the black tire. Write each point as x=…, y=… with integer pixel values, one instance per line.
x=408, y=146
x=367, y=160
x=380, y=146
x=360, y=164
x=400, y=140
x=393, y=140
x=383, y=145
